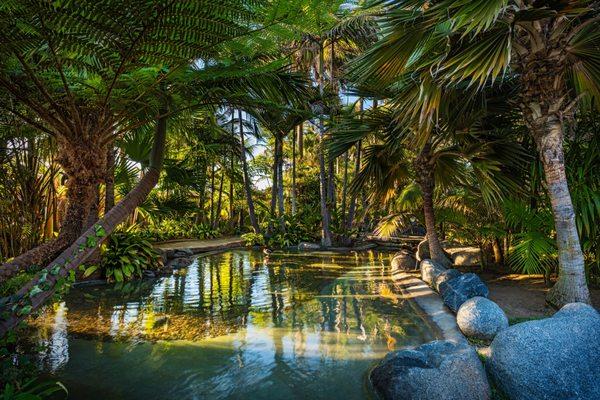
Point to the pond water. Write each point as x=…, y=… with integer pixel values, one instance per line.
x=237, y=325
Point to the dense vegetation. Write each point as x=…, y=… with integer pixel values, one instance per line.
x=473, y=122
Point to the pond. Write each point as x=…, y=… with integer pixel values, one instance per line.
x=233, y=325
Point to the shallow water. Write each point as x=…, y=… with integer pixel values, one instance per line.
x=235, y=325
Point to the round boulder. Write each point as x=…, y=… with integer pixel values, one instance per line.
x=404, y=260
x=430, y=270
x=481, y=318
x=553, y=358
x=436, y=370
x=423, y=250
x=445, y=276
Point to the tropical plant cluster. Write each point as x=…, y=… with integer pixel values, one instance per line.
x=290, y=121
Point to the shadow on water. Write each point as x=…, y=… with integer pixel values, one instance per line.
x=232, y=326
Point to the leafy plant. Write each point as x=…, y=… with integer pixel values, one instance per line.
x=125, y=256
x=253, y=239
x=34, y=390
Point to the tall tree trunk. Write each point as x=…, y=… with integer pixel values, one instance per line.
x=281, y=205
x=352, y=207
x=424, y=169
x=325, y=216
x=274, y=183
x=357, y=154
x=571, y=285
x=247, y=183
x=84, y=170
x=79, y=251
x=200, y=215
x=497, y=248
x=109, y=180
x=344, y=198
x=94, y=208
x=231, y=218
x=212, y=194
x=219, y=200
x=293, y=192
x=301, y=141
x=544, y=105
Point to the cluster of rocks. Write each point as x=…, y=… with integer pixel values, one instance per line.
x=552, y=358
x=466, y=295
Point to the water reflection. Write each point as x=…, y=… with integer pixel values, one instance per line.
x=234, y=325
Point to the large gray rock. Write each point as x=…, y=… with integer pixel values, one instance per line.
x=423, y=250
x=481, y=318
x=430, y=270
x=445, y=276
x=458, y=290
x=404, y=260
x=465, y=256
x=552, y=359
x=436, y=370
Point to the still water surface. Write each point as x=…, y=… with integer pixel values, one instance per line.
x=236, y=325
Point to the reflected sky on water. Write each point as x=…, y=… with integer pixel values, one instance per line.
x=236, y=325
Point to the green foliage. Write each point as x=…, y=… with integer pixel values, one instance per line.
x=34, y=390
x=12, y=285
x=125, y=256
x=253, y=239
x=169, y=229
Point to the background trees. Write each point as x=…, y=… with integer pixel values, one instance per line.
x=546, y=50
x=467, y=120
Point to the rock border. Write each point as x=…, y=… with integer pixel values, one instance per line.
x=429, y=304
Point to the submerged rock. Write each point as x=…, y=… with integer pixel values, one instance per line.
x=458, y=290
x=306, y=246
x=430, y=271
x=445, y=276
x=404, y=260
x=481, y=318
x=436, y=370
x=554, y=358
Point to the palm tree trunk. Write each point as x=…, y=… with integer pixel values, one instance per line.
x=80, y=250
x=212, y=194
x=424, y=170
x=84, y=171
x=301, y=141
x=219, y=200
x=281, y=206
x=247, y=183
x=352, y=207
x=293, y=193
x=94, y=208
x=498, y=255
x=325, y=216
x=231, y=219
x=571, y=285
x=274, y=183
x=109, y=180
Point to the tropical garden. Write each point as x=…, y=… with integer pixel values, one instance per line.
x=124, y=124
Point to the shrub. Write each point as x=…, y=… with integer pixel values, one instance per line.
x=253, y=239
x=125, y=256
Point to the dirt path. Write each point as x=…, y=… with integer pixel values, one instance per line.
x=523, y=296
x=200, y=246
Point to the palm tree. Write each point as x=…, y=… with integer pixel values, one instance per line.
x=549, y=50
x=87, y=73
